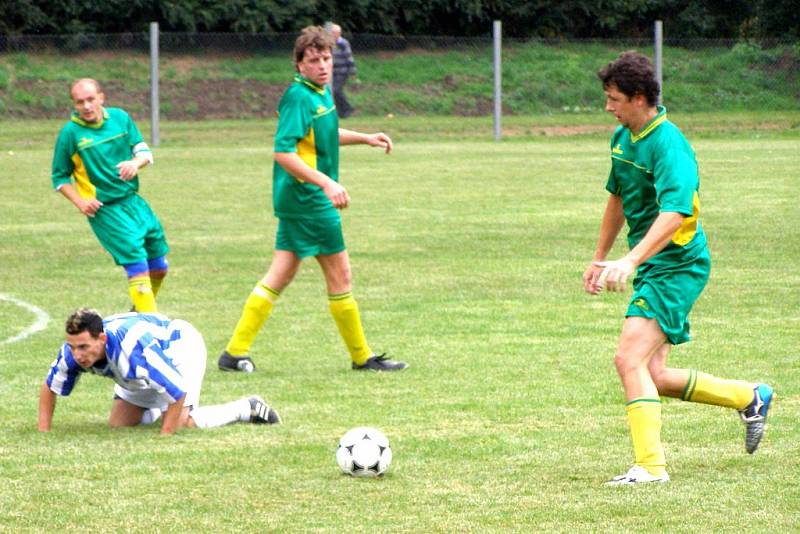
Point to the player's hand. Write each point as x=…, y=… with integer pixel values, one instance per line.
x=381, y=140
x=89, y=207
x=127, y=170
x=590, y=277
x=337, y=194
x=614, y=275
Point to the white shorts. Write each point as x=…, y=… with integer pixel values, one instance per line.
x=189, y=356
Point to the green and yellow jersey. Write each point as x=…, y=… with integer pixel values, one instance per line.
x=309, y=126
x=656, y=171
x=89, y=154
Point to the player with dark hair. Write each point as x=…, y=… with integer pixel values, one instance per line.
x=158, y=365
x=102, y=151
x=654, y=186
x=306, y=197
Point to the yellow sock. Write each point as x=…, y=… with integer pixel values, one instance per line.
x=155, y=283
x=709, y=389
x=644, y=419
x=256, y=310
x=141, y=293
x=344, y=309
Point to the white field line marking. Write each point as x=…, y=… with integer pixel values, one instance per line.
x=40, y=323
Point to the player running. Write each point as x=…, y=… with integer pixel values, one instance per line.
x=158, y=365
x=654, y=186
x=101, y=150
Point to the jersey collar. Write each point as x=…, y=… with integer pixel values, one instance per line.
x=660, y=117
x=299, y=78
x=76, y=118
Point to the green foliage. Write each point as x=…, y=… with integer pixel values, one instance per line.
x=774, y=19
x=270, y=68
x=467, y=256
x=4, y=77
x=22, y=97
x=521, y=18
x=538, y=77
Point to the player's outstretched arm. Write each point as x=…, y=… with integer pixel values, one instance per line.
x=47, y=406
x=380, y=139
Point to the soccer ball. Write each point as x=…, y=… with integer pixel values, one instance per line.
x=364, y=452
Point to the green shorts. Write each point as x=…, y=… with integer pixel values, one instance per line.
x=667, y=293
x=129, y=230
x=310, y=237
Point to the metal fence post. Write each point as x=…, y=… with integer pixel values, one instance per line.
x=497, y=29
x=154, y=104
x=659, y=43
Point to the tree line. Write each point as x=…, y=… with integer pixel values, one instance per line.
x=732, y=19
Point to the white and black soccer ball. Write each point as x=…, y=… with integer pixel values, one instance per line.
x=364, y=452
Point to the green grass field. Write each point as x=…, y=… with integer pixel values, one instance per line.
x=467, y=258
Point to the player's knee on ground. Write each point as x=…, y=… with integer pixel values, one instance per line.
x=625, y=364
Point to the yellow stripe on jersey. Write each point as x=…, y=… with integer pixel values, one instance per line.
x=85, y=187
x=629, y=162
x=652, y=126
x=315, y=87
x=307, y=150
x=321, y=111
x=88, y=142
x=688, y=228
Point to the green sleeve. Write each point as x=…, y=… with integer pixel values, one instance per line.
x=294, y=121
x=134, y=135
x=676, y=178
x=62, y=159
x=612, y=184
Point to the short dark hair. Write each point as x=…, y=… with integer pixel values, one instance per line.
x=312, y=37
x=84, y=320
x=633, y=74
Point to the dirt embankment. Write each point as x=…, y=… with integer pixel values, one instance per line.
x=200, y=99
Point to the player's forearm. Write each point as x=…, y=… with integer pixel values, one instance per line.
x=69, y=192
x=349, y=137
x=141, y=161
x=47, y=406
x=294, y=165
x=656, y=238
x=612, y=223
x=172, y=417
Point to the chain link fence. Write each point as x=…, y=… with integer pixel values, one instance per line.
x=227, y=76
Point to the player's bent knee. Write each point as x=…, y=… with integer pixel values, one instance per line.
x=157, y=275
x=158, y=265
x=657, y=373
x=625, y=364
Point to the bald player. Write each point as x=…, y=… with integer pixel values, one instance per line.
x=96, y=164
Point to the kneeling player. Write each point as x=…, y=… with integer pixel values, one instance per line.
x=158, y=365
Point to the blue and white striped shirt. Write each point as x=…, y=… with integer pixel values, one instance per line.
x=135, y=357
